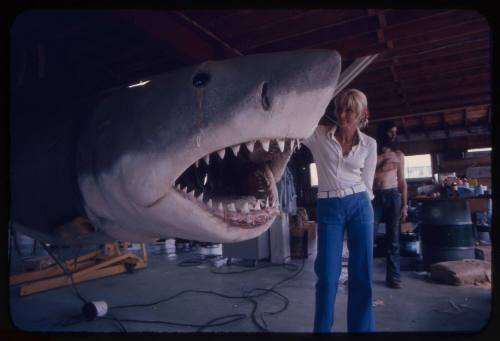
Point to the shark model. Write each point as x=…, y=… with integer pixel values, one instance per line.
x=193, y=154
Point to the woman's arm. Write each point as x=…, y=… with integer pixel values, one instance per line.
x=308, y=141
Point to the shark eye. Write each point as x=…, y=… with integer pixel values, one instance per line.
x=201, y=79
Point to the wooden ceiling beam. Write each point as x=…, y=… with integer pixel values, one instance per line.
x=422, y=113
x=430, y=24
x=441, y=70
x=287, y=41
x=404, y=128
x=459, y=144
x=446, y=126
x=423, y=126
x=431, y=106
x=417, y=87
x=466, y=120
x=190, y=40
x=269, y=22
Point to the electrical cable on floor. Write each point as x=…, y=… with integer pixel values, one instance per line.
x=248, y=296
x=65, y=270
x=229, y=318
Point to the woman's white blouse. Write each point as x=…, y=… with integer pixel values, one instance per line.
x=335, y=171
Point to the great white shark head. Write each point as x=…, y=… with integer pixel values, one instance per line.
x=196, y=153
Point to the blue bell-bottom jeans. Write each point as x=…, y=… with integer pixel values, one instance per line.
x=387, y=207
x=354, y=213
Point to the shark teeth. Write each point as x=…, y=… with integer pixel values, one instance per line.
x=265, y=144
x=235, y=149
x=281, y=144
x=257, y=206
x=246, y=214
x=250, y=146
x=221, y=153
x=246, y=208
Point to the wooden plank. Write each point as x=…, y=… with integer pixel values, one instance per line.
x=405, y=16
x=45, y=273
x=431, y=23
x=65, y=280
x=448, y=80
x=171, y=29
x=441, y=104
x=346, y=43
x=101, y=265
x=257, y=21
x=206, y=17
x=461, y=31
x=411, y=87
x=452, y=66
x=284, y=42
x=451, y=92
x=298, y=24
x=445, y=145
x=443, y=53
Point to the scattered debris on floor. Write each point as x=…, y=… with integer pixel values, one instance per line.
x=377, y=302
x=456, y=308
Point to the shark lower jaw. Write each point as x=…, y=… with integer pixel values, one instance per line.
x=237, y=184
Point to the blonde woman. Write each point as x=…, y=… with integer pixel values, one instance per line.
x=345, y=160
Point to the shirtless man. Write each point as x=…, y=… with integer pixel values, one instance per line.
x=390, y=202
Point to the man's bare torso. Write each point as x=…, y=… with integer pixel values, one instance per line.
x=386, y=174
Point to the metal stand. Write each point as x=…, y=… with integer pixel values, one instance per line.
x=107, y=262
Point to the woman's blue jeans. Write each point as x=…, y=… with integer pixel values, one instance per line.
x=355, y=213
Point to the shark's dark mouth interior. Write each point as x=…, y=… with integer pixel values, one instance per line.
x=238, y=183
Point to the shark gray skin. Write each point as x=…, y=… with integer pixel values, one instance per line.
x=141, y=157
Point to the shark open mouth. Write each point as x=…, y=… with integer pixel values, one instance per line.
x=238, y=183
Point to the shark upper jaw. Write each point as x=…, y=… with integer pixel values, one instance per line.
x=258, y=164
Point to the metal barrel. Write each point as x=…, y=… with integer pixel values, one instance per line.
x=446, y=231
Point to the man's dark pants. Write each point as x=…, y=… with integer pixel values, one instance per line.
x=387, y=207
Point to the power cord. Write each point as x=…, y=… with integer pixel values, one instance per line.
x=250, y=296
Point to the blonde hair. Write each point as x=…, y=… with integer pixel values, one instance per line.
x=354, y=100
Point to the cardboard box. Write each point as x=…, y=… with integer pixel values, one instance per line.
x=478, y=204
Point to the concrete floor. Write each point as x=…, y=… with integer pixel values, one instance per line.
x=421, y=306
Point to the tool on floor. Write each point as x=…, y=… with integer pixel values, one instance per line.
x=106, y=262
